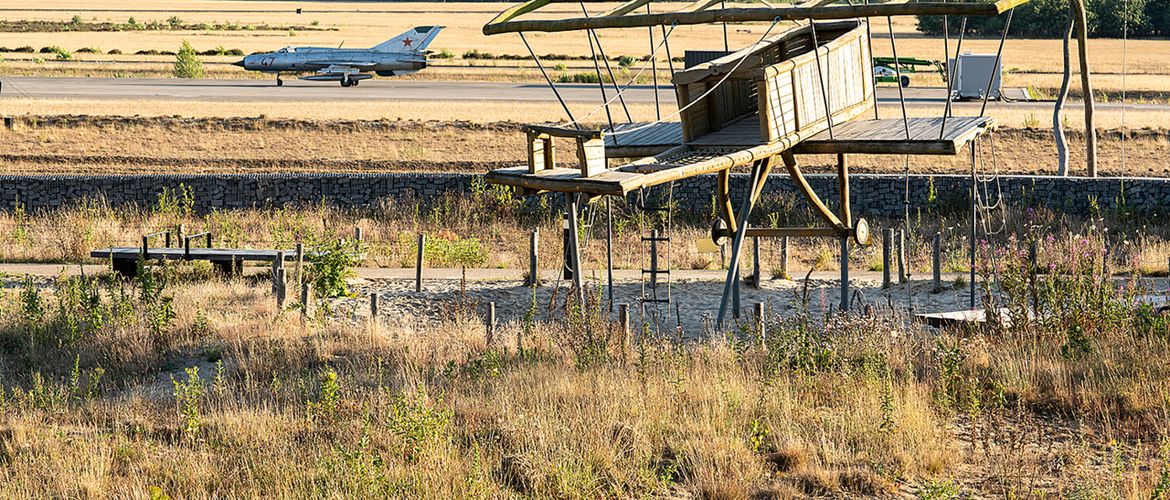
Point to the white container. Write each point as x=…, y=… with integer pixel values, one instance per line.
x=972, y=74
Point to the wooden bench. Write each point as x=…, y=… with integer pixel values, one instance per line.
x=228, y=260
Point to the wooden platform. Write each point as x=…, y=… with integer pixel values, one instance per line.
x=643, y=142
x=888, y=136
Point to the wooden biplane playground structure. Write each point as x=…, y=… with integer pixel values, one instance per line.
x=805, y=89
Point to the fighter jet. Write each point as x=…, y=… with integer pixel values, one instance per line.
x=401, y=55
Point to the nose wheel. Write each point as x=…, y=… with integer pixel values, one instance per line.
x=348, y=82
x=279, y=82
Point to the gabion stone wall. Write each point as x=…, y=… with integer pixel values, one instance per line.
x=873, y=195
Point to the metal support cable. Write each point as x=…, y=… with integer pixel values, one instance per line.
x=654, y=69
x=821, y=77
x=998, y=56
x=898, y=71
x=572, y=121
x=952, y=72
x=709, y=91
x=600, y=81
x=608, y=69
x=634, y=78
x=869, y=43
x=669, y=58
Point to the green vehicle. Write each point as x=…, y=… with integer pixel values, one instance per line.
x=886, y=69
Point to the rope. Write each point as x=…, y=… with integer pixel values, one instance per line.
x=709, y=91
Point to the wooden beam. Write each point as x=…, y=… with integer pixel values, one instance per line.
x=753, y=14
x=563, y=132
x=723, y=199
x=794, y=232
x=806, y=189
x=624, y=8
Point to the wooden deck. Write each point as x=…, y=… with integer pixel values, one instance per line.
x=643, y=142
x=888, y=136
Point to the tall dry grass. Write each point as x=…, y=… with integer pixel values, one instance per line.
x=230, y=397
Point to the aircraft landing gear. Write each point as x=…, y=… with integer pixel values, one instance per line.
x=279, y=82
x=346, y=82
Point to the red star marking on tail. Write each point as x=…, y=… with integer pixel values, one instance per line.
x=406, y=42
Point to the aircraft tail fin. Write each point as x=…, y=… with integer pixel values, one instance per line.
x=415, y=40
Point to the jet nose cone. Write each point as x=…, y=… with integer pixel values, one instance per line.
x=239, y=63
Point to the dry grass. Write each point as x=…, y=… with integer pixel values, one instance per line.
x=337, y=407
x=61, y=144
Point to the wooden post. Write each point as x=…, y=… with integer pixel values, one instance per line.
x=1079, y=17
x=533, y=252
x=357, y=235
x=180, y=232
x=784, y=258
x=903, y=257
x=9, y=123
x=845, y=274
x=281, y=287
x=418, y=262
x=491, y=323
x=306, y=298
x=373, y=306
x=609, y=251
x=758, y=314
x=624, y=323
x=756, y=262
x=936, y=261
x=145, y=246
x=277, y=265
x=887, y=262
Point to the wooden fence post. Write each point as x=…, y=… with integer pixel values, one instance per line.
x=306, y=298
x=277, y=265
x=624, y=323
x=936, y=261
x=357, y=235
x=373, y=306
x=491, y=323
x=281, y=287
x=533, y=252
x=887, y=261
x=418, y=262
x=903, y=258
x=758, y=314
x=784, y=258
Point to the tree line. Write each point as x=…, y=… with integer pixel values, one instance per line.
x=1049, y=18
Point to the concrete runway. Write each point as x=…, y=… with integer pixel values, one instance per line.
x=390, y=90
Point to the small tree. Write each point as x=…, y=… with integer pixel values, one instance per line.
x=187, y=64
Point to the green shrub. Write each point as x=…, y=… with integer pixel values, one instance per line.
x=187, y=64
x=330, y=265
x=443, y=54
